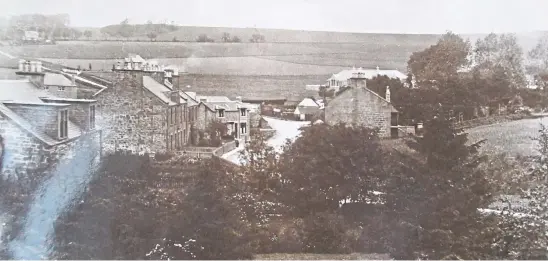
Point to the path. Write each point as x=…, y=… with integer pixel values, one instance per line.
x=284, y=130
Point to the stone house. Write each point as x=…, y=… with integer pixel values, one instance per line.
x=361, y=106
x=235, y=114
x=144, y=111
x=38, y=129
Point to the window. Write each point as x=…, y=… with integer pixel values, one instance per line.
x=221, y=113
x=63, y=124
x=61, y=88
x=92, y=117
x=243, y=111
x=172, y=112
x=46, y=87
x=243, y=128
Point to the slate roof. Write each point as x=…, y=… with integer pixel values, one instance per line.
x=367, y=73
x=16, y=92
x=393, y=109
x=54, y=79
x=159, y=90
x=307, y=102
x=190, y=98
x=21, y=91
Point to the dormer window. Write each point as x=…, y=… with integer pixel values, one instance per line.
x=221, y=113
x=243, y=112
x=92, y=117
x=62, y=120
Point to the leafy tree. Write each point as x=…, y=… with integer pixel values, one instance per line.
x=236, y=39
x=539, y=54
x=88, y=34
x=210, y=224
x=440, y=61
x=226, y=37
x=257, y=38
x=328, y=165
x=203, y=38
x=434, y=196
x=504, y=52
x=152, y=36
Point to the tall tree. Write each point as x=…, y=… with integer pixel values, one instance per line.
x=440, y=61
x=328, y=165
x=503, y=52
x=539, y=54
x=433, y=199
x=88, y=34
x=226, y=37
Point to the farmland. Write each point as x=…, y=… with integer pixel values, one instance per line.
x=231, y=58
x=511, y=137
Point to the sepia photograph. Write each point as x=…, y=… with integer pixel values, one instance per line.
x=274, y=130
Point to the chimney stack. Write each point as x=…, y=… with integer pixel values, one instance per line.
x=387, y=96
x=73, y=79
x=21, y=65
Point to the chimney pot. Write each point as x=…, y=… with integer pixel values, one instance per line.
x=387, y=96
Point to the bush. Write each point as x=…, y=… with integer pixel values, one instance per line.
x=326, y=233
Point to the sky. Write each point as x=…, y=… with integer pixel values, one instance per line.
x=374, y=16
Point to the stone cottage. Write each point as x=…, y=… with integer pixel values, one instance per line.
x=235, y=114
x=37, y=128
x=361, y=106
x=144, y=111
x=306, y=109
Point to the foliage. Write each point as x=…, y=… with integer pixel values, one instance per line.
x=330, y=164
x=525, y=227
x=539, y=54
x=441, y=61
x=325, y=232
x=203, y=38
x=433, y=203
x=88, y=34
x=257, y=38
x=503, y=52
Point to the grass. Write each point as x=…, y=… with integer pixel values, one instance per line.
x=308, y=256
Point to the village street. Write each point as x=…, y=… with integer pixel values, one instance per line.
x=284, y=130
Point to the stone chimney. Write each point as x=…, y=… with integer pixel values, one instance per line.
x=387, y=95
x=239, y=98
x=358, y=80
x=73, y=79
x=31, y=70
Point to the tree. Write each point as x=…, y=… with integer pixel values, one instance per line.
x=441, y=61
x=152, y=36
x=203, y=38
x=125, y=30
x=236, y=39
x=525, y=225
x=503, y=52
x=226, y=37
x=328, y=165
x=257, y=38
x=88, y=34
x=210, y=225
x=539, y=54
x=433, y=198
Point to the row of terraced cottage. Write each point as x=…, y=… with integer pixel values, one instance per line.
x=139, y=108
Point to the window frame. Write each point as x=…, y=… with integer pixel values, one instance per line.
x=61, y=88
x=220, y=113
x=62, y=124
x=243, y=127
x=92, y=113
x=243, y=112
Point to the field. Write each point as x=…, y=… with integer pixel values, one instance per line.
x=513, y=137
x=232, y=58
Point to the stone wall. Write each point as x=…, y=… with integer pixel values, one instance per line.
x=43, y=117
x=79, y=114
x=361, y=107
x=135, y=120
x=23, y=152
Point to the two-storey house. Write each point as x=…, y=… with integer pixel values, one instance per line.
x=361, y=106
x=38, y=128
x=233, y=113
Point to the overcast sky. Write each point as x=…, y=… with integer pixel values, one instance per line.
x=389, y=16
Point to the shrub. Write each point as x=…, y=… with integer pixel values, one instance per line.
x=326, y=233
